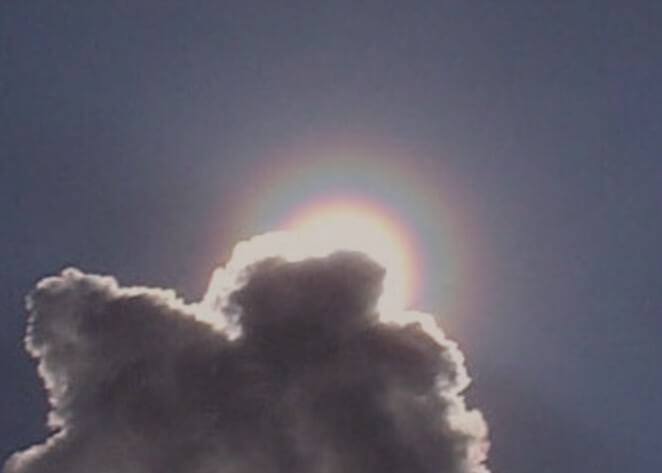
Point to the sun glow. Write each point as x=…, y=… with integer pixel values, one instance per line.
x=322, y=228
x=317, y=230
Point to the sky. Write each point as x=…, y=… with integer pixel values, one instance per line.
x=144, y=141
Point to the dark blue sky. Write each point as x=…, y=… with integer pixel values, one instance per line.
x=128, y=133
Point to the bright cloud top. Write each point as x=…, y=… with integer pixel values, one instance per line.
x=320, y=229
x=359, y=225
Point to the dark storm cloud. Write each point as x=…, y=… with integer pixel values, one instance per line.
x=313, y=383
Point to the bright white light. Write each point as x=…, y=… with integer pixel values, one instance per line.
x=327, y=228
x=318, y=231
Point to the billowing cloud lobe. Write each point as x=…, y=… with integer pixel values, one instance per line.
x=297, y=373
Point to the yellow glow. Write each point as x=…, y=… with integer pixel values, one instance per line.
x=357, y=226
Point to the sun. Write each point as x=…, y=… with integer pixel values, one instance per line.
x=358, y=225
x=318, y=229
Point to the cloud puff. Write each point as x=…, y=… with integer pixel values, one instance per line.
x=290, y=369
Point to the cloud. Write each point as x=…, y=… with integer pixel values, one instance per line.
x=286, y=366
